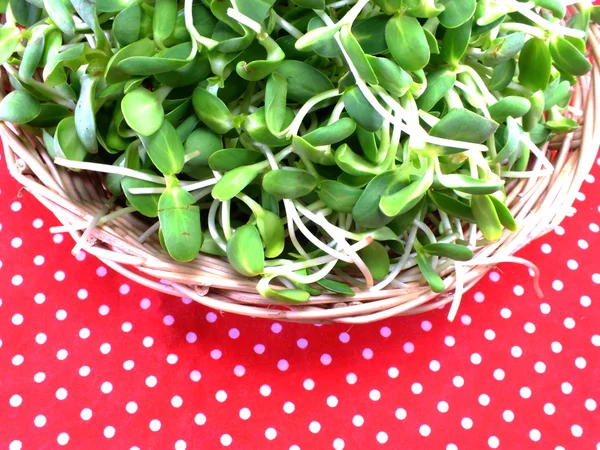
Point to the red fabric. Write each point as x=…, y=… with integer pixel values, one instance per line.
x=513, y=371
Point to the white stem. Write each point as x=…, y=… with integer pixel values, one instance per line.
x=400, y=265
x=525, y=9
x=537, y=152
x=106, y=168
x=212, y=225
x=244, y=20
x=284, y=24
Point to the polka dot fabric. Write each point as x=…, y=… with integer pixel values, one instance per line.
x=90, y=360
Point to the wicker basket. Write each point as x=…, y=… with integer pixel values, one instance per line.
x=130, y=245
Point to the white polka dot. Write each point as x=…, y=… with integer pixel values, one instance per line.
x=358, y=420
x=325, y=359
x=39, y=421
x=596, y=278
x=62, y=439
x=434, y=365
x=505, y=313
x=408, y=347
x=449, y=341
x=484, y=399
x=302, y=343
x=211, y=317
x=499, y=374
x=16, y=242
x=145, y=304
x=576, y=430
x=270, y=433
x=493, y=442
x=172, y=358
x=239, y=370
x=200, y=419
x=40, y=376
x=234, y=333
x=572, y=264
x=186, y=300
x=106, y=387
x=126, y=327
x=128, y=365
x=180, y=445
x=105, y=348
x=580, y=196
x=38, y=223
x=16, y=206
x=276, y=328
x=82, y=294
x=416, y=388
x=18, y=360
x=466, y=423
x=529, y=327
x=559, y=230
x=39, y=260
x=41, y=338
x=151, y=381
x=39, y=298
x=226, y=440
x=314, y=427
x=148, y=341
x=131, y=407
x=590, y=404
x=569, y=323
x=458, y=381
x=539, y=367
x=546, y=248
x=124, y=289
x=155, y=425
x=168, y=320
x=367, y=353
x=385, y=332
x=338, y=444
x=308, y=384
x=195, y=375
x=288, y=407
x=245, y=413
x=61, y=314
x=176, y=401
x=489, y=335
x=557, y=285
x=594, y=228
x=525, y=392
x=104, y=310
x=582, y=244
x=61, y=393
x=566, y=388
x=283, y=365
x=596, y=340
x=466, y=320
x=535, y=435
x=556, y=347
x=17, y=319
x=494, y=276
x=15, y=401
x=549, y=409
x=374, y=395
x=580, y=362
x=109, y=432
x=479, y=297
x=58, y=238
x=382, y=437
x=401, y=414
x=265, y=390
x=84, y=371
x=332, y=401
x=516, y=351
x=351, y=378
x=100, y=271
x=80, y=256
x=508, y=415
x=443, y=407
x=393, y=372
x=191, y=337
x=221, y=396
x=259, y=349
x=59, y=275
x=426, y=325
x=545, y=308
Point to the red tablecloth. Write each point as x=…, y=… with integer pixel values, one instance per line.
x=90, y=360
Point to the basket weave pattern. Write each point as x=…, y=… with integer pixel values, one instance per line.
x=130, y=245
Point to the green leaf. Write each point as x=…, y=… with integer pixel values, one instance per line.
x=328, y=48
x=503, y=75
x=456, y=12
x=212, y=111
x=85, y=114
x=320, y=155
x=163, y=22
x=143, y=111
x=230, y=158
x=165, y=149
x=407, y=42
x=66, y=141
x=146, y=204
x=9, y=39
x=486, y=217
x=204, y=141
x=535, y=113
x=504, y=215
x=357, y=56
x=452, y=251
x=32, y=55
x=464, y=125
x=256, y=126
x=375, y=256
x=433, y=279
x=331, y=134
x=452, y=206
x=303, y=80
x=361, y=110
x=245, y=251
x=503, y=48
x=511, y=106
x=438, y=85
x=114, y=73
x=370, y=34
x=337, y=287
x=390, y=76
x=568, y=58
x=275, y=102
x=455, y=42
x=470, y=185
x=535, y=65
x=338, y=196
x=19, y=107
x=289, y=183
x=191, y=72
x=406, y=198
x=234, y=181
x=50, y=115
x=61, y=16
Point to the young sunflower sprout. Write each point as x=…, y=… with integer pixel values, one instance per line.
x=321, y=148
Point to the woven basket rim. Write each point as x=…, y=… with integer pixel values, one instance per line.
x=126, y=244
